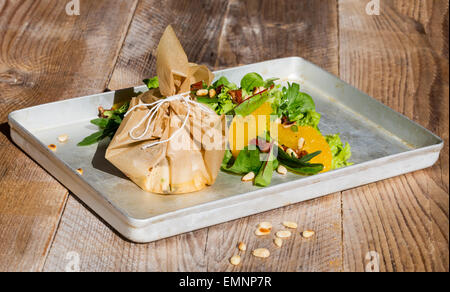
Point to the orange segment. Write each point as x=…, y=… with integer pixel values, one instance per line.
x=245, y=129
x=314, y=141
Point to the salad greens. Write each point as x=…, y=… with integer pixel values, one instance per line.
x=110, y=120
x=341, y=153
x=264, y=177
x=294, y=107
x=295, y=104
x=251, y=104
x=249, y=160
x=252, y=81
x=108, y=123
x=263, y=156
x=152, y=82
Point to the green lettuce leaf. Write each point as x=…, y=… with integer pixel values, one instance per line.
x=108, y=126
x=264, y=176
x=251, y=104
x=341, y=153
x=224, y=81
x=310, y=118
x=295, y=104
x=247, y=161
x=270, y=82
x=152, y=82
x=302, y=165
x=251, y=81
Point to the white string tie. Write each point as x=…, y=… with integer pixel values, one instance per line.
x=155, y=106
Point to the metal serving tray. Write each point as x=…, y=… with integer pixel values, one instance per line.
x=384, y=144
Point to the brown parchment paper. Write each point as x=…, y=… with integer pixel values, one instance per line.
x=172, y=167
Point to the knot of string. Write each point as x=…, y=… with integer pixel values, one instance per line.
x=154, y=108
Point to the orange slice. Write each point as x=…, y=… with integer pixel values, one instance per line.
x=314, y=141
x=244, y=129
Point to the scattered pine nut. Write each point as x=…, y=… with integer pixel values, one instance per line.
x=63, y=138
x=284, y=234
x=261, y=253
x=262, y=231
x=264, y=228
x=202, y=92
x=80, y=171
x=278, y=242
x=212, y=92
x=52, y=147
x=248, y=177
x=291, y=152
x=235, y=260
x=301, y=143
x=308, y=233
x=291, y=225
x=265, y=225
x=242, y=246
x=282, y=170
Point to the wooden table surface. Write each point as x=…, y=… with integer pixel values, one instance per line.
x=400, y=57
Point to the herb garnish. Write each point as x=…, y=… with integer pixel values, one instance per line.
x=108, y=125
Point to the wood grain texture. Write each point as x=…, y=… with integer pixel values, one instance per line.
x=209, y=249
x=323, y=252
x=101, y=249
x=197, y=23
x=400, y=58
x=255, y=31
x=46, y=55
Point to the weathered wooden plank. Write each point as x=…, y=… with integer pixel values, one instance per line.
x=197, y=23
x=255, y=31
x=209, y=249
x=399, y=58
x=98, y=248
x=323, y=252
x=46, y=55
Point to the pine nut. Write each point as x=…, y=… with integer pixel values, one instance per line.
x=308, y=233
x=212, y=92
x=63, y=138
x=52, y=147
x=235, y=260
x=261, y=253
x=278, y=242
x=291, y=225
x=291, y=153
x=282, y=170
x=242, y=246
x=265, y=225
x=202, y=92
x=80, y=171
x=262, y=232
x=248, y=177
x=264, y=228
x=284, y=234
x=301, y=143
